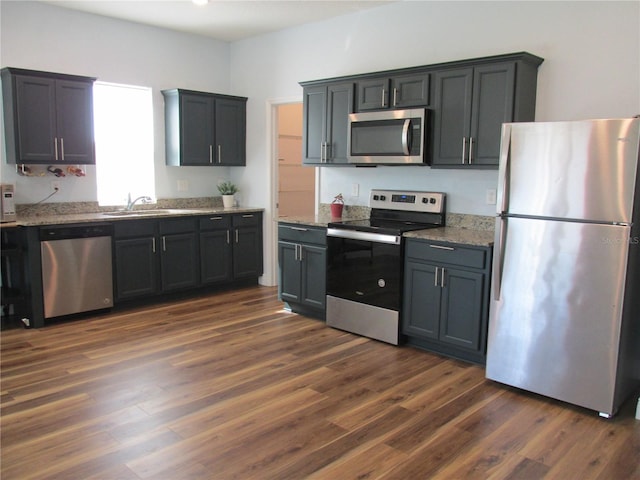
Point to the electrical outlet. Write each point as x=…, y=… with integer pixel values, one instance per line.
x=55, y=186
x=355, y=189
x=183, y=185
x=491, y=196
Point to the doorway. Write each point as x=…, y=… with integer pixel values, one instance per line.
x=296, y=194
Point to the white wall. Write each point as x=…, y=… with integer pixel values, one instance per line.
x=42, y=37
x=591, y=70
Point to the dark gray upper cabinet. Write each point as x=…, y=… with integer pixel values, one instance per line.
x=400, y=91
x=469, y=100
x=472, y=103
x=326, y=109
x=48, y=117
x=204, y=129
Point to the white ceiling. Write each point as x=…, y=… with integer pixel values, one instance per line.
x=226, y=20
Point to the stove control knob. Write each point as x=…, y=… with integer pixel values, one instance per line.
x=376, y=197
x=432, y=200
x=425, y=199
x=383, y=197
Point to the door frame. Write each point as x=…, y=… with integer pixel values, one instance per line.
x=272, y=148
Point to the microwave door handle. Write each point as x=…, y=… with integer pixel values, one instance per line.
x=406, y=140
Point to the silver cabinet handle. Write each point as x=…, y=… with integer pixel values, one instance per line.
x=62, y=148
x=164, y=244
x=383, y=92
x=215, y=218
x=435, y=277
x=395, y=96
x=300, y=253
x=55, y=146
x=249, y=215
x=470, y=149
x=442, y=277
x=322, y=151
x=441, y=247
x=237, y=235
x=153, y=244
x=210, y=153
x=228, y=238
x=299, y=229
x=219, y=153
x=464, y=148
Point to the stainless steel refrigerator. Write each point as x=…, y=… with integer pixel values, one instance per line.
x=565, y=300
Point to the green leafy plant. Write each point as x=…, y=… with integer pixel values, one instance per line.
x=227, y=188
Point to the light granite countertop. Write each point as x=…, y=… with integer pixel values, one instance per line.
x=69, y=218
x=465, y=230
x=462, y=236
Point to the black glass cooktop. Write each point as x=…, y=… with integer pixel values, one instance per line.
x=392, y=227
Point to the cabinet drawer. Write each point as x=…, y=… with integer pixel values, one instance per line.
x=215, y=222
x=178, y=225
x=302, y=234
x=134, y=228
x=243, y=219
x=447, y=253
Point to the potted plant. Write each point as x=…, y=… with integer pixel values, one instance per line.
x=227, y=189
x=337, y=206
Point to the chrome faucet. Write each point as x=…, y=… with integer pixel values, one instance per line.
x=130, y=204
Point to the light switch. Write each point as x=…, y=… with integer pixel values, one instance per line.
x=355, y=189
x=491, y=196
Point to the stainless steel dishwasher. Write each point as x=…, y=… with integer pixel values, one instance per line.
x=76, y=268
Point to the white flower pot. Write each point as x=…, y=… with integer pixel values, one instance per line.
x=227, y=201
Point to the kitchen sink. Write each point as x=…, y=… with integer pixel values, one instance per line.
x=123, y=213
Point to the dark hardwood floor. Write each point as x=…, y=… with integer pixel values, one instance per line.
x=230, y=386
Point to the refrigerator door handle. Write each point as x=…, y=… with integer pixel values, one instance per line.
x=504, y=171
x=498, y=257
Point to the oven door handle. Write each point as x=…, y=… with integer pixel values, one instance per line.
x=365, y=236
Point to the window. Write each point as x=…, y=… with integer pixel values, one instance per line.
x=123, y=118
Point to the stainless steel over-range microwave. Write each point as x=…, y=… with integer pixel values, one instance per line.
x=387, y=137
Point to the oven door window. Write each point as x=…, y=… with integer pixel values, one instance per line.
x=364, y=271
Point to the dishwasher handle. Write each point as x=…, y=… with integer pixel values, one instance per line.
x=64, y=232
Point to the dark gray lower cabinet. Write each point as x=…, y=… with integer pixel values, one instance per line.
x=446, y=298
x=159, y=256
x=302, y=260
x=178, y=254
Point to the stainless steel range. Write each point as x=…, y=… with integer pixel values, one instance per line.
x=365, y=259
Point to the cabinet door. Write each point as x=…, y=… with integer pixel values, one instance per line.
x=410, y=91
x=74, y=120
x=179, y=261
x=422, y=299
x=230, y=128
x=493, y=93
x=313, y=275
x=314, y=121
x=462, y=303
x=289, y=286
x=215, y=256
x=373, y=94
x=36, y=119
x=136, y=267
x=452, y=116
x=339, y=106
x=196, y=130
x=247, y=252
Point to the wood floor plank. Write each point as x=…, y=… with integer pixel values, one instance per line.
x=229, y=385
